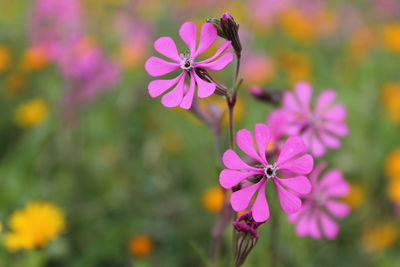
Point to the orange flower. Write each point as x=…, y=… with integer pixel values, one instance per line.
x=356, y=196
x=393, y=191
x=391, y=37
x=391, y=100
x=34, y=59
x=213, y=199
x=297, y=26
x=380, y=237
x=4, y=58
x=297, y=66
x=140, y=246
x=392, y=166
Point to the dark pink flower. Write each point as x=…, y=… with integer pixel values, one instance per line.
x=316, y=216
x=292, y=162
x=182, y=95
x=321, y=127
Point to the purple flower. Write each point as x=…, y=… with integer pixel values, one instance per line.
x=316, y=216
x=292, y=162
x=54, y=24
x=321, y=127
x=87, y=71
x=182, y=95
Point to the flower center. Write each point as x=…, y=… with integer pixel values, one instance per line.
x=186, y=61
x=270, y=171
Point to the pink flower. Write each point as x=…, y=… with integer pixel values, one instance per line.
x=291, y=162
x=183, y=95
x=321, y=127
x=276, y=122
x=315, y=217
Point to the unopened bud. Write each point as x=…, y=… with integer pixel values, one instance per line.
x=247, y=237
x=271, y=96
x=228, y=29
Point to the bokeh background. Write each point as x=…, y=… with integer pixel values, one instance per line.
x=123, y=181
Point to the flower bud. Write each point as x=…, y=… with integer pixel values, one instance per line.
x=228, y=29
x=247, y=237
x=270, y=96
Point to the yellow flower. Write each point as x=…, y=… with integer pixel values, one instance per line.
x=393, y=191
x=296, y=65
x=391, y=100
x=34, y=59
x=34, y=226
x=392, y=167
x=356, y=196
x=4, y=58
x=297, y=26
x=391, y=37
x=140, y=246
x=380, y=237
x=31, y=113
x=213, y=199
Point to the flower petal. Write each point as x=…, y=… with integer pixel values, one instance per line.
x=188, y=33
x=328, y=140
x=333, y=184
x=220, y=50
x=156, y=66
x=263, y=137
x=158, y=87
x=329, y=226
x=337, y=208
x=240, y=199
x=245, y=142
x=298, y=184
x=217, y=64
x=337, y=128
x=167, y=47
x=301, y=165
x=303, y=92
x=293, y=146
x=290, y=103
x=336, y=113
x=208, y=36
x=314, y=230
x=260, y=209
x=188, y=98
x=174, y=97
x=325, y=99
x=231, y=160
x=204, y=89
x=302, y=226
x=229, y=178
x=289, y=202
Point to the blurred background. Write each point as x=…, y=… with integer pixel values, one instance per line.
x=121, y=180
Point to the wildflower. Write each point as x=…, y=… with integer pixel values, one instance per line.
x=34, y=59
x=393, y=191
x=140, y=246
x=320, y=128
x=31, y=113
x=391, y=100
x=34, y=226
x=182, y=95
x=4, y=58
x=87, y=70
x=392, y=166
x=297, y=26
x=379, y=237
x=315, y=218
x=391, y=37
x=247, y=236
x=292, y=162
x=270, y=96
x=298, y=66
x=355, y=197
x=213, y=199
